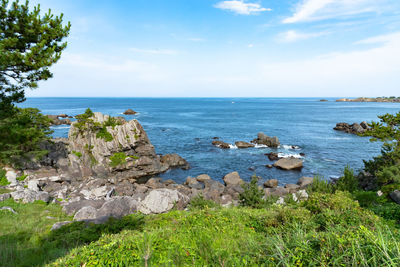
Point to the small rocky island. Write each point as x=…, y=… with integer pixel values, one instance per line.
x=355, y=128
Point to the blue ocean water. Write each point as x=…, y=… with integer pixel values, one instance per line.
x=187, y=125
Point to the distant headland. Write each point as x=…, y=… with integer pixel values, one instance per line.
x=391, y=99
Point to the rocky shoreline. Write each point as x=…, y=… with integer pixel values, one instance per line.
x=369, y=99
x=108, y=168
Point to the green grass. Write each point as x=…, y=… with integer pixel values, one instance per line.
x=4, y=191
x=326, y=230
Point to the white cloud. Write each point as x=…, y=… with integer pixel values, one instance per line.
x=241, y=7
x=311, y=10
x=293, y=36
x=154, y=51
x=250, y=45
x=197, y=40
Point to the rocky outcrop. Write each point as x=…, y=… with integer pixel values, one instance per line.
x=232, y=179
x=272, y=156
x=263, y=139
x=55, y=119
x=272, y=183
x=242, y=144
x=129, y=112
x=29, y=196
x=175, y=161
x=102, y=147
x=289, y=164
x=354, y=128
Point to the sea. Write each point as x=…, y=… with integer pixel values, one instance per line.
x=187, y=126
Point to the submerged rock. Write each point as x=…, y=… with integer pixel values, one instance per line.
x=221, y=144
x=129, y=112
x=174, y=161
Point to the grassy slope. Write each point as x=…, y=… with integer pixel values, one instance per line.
x=328, y=229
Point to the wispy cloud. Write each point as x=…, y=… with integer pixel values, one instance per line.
x=293, y=36
x=197, y=40
x=154, y=51
x=312, y=10
x=242, y=8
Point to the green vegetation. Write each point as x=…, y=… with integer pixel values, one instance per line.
x=118, y=159
x=22, y=177
x=30, y=43
x=78, y=154
x=326, y=230
x=88, y=150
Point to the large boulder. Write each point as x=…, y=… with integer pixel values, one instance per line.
x=117, y=207
x=162, y=200
x=289, y=164
x=271, y=183
x=73, y=207
x=263, y=139
x=174, y=161
x=29, y=196
x=395, y=196
x=104, y=147
x=232, y=179
x=86, y=213
x=242, y=144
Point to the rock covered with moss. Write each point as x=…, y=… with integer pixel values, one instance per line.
x=103, y=146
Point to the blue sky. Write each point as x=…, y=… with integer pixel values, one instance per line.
x=212, y=48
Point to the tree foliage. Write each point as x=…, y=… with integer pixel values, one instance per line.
x=29, y=44
x=385, y=166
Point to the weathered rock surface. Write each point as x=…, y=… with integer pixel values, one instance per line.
x=263, y=139
x=354, y=128
x=128, y=154
x=242, y=144
x=221, y=144
x=272, y=156
x=8, y=209
x=73, y=207
x=29, y=196
x=174, y=161
x=277, y=191
x=162, y=200
x=289, y=164
x=292, y=187
x=58, y=225
x=232, y=179
x=272, y=183
x=86, y=213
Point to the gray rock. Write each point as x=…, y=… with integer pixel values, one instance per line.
x=292, y=187
x=58, y=225
x=5, y=196
x=29, y=196
x=303, y=182
x=86, y=213
x=221, y=144
x=162, y=200
x=193, y=183
x=272, y=183
x=155, y=183
x=73, y=207
x=395, y=196
x=300, y=195
x=232, y=178
x=242, y=144
x=11, y=176
x=174, y=161
x=365, y=125
x=33, y=185
x=278, y=191
x=289, y=164
x=263, y=139
x=8, y=209
x=213, y=190
x=117, y=207
x=203, y=177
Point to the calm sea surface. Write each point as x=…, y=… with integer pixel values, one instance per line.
x=187, y=125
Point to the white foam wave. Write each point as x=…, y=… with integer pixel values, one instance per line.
x=260, y=146
x=283, y=155
x=233, y=147
x=290, y=147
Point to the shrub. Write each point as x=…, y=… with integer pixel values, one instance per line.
x=118, y=159
x=387, y=175
x=199, y=202
x=347, y=182
x=320, y=185
x=21, y=134
x=252, y=195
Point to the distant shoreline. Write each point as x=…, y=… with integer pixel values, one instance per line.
x=368, y=99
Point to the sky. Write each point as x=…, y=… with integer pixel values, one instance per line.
x=233, y=48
